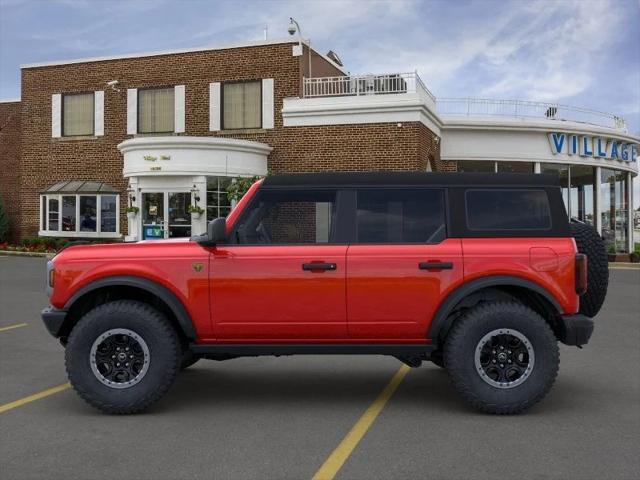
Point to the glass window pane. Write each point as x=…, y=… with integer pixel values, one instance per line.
x=503, y=209
x=156, y=110
x=515, y=167
x=476, y=166
x=217, y=199
x=88, y=213
x=400, y=216
x=582, y=193
x=108, y=218
x=69, y=213
x=77, y=114
x=562, y=171
x=242, y=105
x=291, y=217
x=53, y=213
x=614, y=210
x=43, y=215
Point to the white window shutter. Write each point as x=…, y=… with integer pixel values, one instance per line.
x=267, y=103
x=178, y=124
x=214, y=106
x=132, y=111
x=98, y=113
x=56, y=115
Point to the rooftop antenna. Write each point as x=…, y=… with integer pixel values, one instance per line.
x=266, y=32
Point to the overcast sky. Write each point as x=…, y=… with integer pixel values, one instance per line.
x=579, y=52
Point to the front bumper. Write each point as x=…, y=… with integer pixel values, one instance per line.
x=54, y=320
x=575, y=330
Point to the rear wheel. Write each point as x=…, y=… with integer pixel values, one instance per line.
x=502, y=357
x=122, y=356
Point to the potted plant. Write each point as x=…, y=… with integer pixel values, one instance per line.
x=132, y=212
x=195, y=211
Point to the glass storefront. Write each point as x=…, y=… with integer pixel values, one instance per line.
x=582, y=193
x=515, y=167
x=476, y=166
x=614, y=209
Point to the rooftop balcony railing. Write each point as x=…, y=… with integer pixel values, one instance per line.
x=478, y=107
x=398, y=83
x=356, y=85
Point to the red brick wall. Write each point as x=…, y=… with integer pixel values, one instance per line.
x=10, y=161
x=46, y=161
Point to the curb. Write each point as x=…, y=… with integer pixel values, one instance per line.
x=625, y=265
x=11, y=253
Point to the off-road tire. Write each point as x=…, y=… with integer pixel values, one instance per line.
x=188, y=359
x=464, y=338
x=159, y=335
x=591, y=244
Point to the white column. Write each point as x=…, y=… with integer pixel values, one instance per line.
x=629, y=212
x=134, y=223
x=199, y=226
x=536, y=167
x=267, y=103
x=597, y=198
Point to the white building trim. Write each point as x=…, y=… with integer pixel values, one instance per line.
x=179, y=108
x=10, y=100
x=215, y=110
x=172, y=52
x=181, y=155
x=98, y=113
x=132, y=111
x=392, y=108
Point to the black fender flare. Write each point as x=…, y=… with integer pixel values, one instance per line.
x=154, y=288
x=441, y=321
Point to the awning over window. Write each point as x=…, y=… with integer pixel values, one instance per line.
x=80, y=187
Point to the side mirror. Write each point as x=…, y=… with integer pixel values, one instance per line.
x=216, y=233
x=217, y=230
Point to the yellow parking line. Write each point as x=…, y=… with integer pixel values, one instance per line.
x=334, y=463
x=11, y=327
x=624, y=268
x=32, y=398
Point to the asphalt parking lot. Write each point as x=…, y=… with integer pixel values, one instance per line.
x=281, y=418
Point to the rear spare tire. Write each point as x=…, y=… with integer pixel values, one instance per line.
x=591, y=244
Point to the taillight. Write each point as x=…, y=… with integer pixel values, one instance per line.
x=581, y=273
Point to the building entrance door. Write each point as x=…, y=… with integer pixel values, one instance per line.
x=165, y=215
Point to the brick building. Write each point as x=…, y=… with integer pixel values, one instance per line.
x=159, y=132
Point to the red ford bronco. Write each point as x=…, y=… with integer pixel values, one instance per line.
x=481, y=274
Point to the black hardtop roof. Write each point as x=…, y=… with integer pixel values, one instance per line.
x=410, y=179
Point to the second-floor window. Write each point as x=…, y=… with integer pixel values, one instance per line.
x=156, y=110
x=78, y=114
x=242, y=105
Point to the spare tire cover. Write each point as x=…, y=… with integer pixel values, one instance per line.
x=589, y=242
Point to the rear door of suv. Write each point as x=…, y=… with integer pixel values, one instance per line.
x=400, y=263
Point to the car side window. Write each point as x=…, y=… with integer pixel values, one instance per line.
x=400, y=216
x=507, y=209
x=288, y=217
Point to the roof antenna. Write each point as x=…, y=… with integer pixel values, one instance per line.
x=266, y=32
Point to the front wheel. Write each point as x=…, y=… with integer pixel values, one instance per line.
x=123, y=356
x=502, y=357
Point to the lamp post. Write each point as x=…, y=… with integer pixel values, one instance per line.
x=293, y=28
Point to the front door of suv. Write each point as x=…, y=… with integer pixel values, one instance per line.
x=401, y=263
x=281, y=277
